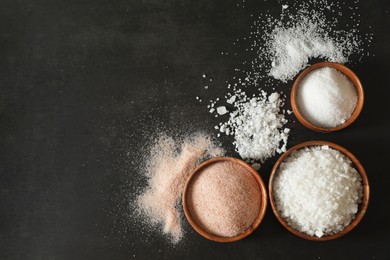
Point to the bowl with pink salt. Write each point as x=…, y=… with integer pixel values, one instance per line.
x=327, y=97
x=225, y=199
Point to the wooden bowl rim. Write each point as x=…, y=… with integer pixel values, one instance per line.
x=263, y=200
x=350, y=75
x=362, y=206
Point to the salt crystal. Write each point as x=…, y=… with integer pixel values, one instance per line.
x=257, y=126
x=231, y=99
x=273, y=97
x=221, y=110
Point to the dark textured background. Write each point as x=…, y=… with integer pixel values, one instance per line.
x=86, y=83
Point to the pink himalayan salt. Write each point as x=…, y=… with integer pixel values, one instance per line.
x=167, y=171
x=224, y=199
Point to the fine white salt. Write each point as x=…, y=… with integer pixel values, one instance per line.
x=292, y=47
x=317, y=190
x=326, y=97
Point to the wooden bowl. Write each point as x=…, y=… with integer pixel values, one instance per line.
x=263, y=200
x=350, y=75
x=362, y=207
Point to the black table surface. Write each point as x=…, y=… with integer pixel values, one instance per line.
x=86, y=84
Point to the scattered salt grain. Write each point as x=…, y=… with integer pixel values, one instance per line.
x=231, y=99
x=221, y=110
x=326, y=97
x=317, y=190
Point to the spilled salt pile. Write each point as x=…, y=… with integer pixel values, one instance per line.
x=326, y=97
x=291, y=48
x=317, y=190
x=167, y=168
x=303, y=32
x=257, y=125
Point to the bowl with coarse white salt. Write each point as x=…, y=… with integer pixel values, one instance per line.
x=318, y=190
x=327, y=97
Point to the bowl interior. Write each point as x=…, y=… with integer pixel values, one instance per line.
x=362, y=207
x=350, y=75
x=263, y=200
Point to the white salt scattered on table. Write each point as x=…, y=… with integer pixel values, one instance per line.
x=305, y=31
x=317, y=190
x=257, y=126
x=292, y=47
x=326, y=97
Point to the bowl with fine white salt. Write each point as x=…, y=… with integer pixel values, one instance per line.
x=327, y=97
x=318, y=190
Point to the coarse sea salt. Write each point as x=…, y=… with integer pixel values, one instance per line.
x=317, y=190
x=326, y=97
x=221, y=110
x=257, y=125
